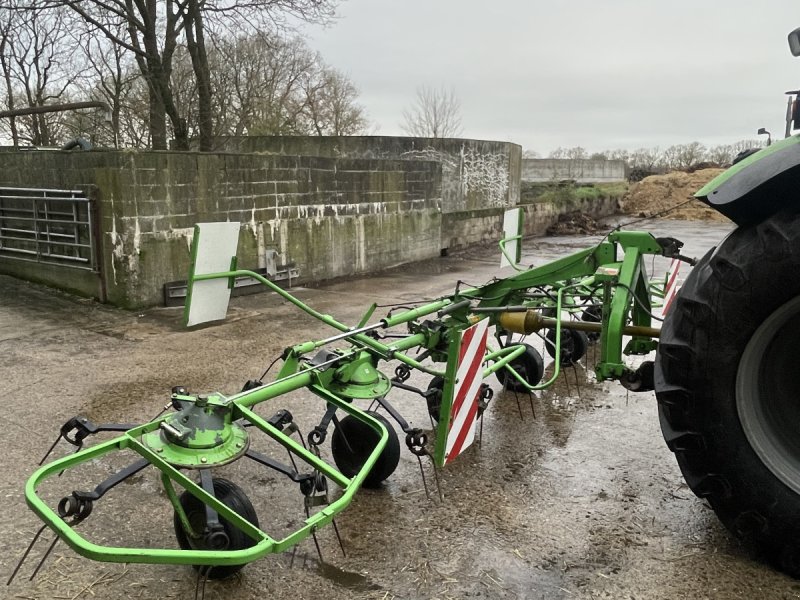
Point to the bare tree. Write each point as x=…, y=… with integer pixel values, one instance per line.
x=435, y=113
x=154, y=30
x=683, y=156
x=37, y=63
x=332, y=108
x=646, y=159
x=279, y=86
x=576, y=153
x=618, y=154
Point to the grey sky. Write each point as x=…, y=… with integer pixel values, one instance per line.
x=543, y=74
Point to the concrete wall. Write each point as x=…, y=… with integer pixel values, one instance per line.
x=331, y=217
x=582, y=171
x=479, y=178
x=368, y=204
x=541, y=215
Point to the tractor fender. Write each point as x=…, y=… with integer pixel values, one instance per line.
x=758, y=186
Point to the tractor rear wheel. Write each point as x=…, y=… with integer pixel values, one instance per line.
x=726, y=380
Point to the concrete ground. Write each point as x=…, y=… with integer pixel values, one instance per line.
x=572, y=494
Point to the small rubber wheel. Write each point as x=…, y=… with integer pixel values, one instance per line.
x=529, y=365
x=353, y=441
x=232, y=496
x=435, y=399
x=593, y=314
x=573, y=345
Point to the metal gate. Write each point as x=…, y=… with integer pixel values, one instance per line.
x=47, y=226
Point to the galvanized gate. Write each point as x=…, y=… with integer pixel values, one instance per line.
x=47, y=226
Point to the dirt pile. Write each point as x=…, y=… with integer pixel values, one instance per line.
x=660, y=193
x=575, y=223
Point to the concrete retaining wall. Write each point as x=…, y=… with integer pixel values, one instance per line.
x=331, y=217
x=368, y=204
x=479, y=177
x=582, y=171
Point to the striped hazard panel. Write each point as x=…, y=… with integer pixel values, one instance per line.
x=672, y=284
x=467, y=389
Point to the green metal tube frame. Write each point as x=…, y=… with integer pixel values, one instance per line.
x=583, y=264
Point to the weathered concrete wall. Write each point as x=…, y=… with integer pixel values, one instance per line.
x=479, y=178
x=541, y=215
x=582, y=171
x=331, y=217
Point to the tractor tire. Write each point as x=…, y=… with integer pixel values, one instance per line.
x=726, y=382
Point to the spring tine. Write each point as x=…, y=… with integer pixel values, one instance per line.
x=25, y=555
x=316, y=543
x=205, y=580
x=533, y=409
x=424, y=482
x=78, y=448
x=519, y=406
x=339, y=537
x=44, y=558
x=294, y=552
x=436, y=478
x=200, y=584
x=314, y=536
x=577, y=383
x=566, y=381
x=53, y=447
x=480, y=432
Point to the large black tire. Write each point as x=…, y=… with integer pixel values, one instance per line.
x=726, y=380
x=232, y=496
x=353, y=441
x=529, y=365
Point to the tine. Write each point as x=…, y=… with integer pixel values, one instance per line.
x=436, y=478
x=52, y=447
x=424, y=482
x=25, y=555
x=44, y=558
x=339, y=537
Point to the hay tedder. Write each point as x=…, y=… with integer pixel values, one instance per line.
x=723, y=376
x=458, y=341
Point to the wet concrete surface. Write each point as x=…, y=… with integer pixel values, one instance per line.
x=571, y=493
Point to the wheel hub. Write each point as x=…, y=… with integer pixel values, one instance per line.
x=768, y=396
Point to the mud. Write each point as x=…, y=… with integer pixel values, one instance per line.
x=570, y=494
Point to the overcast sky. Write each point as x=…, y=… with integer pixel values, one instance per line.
x=549, y=73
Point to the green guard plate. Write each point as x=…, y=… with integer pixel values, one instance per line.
x=191, y=458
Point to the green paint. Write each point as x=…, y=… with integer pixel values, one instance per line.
x=743, y=164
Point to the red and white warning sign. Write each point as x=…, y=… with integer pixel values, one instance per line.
x=672, y=284
x=467, y=389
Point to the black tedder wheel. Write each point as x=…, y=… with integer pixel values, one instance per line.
x=727, y=385
x=593, y=314
x=434, y=400
x=529, y=365
x=232, y=496
x=353, y=441
x=573, y=345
